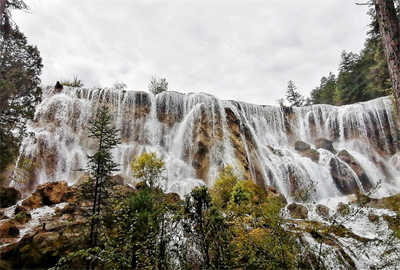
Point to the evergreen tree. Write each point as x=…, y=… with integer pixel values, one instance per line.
x=101, y=166
x=158, y=85
x=207, y=230
x=362, y=76
x=20, y=68
x=324, y=94
x=294, y=98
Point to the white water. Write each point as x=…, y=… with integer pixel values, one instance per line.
x=60, y=144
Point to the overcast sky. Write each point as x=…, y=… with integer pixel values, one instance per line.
x=234, y=49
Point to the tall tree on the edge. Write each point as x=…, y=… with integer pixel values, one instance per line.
x=390, y=31
x=2, y=9
x=101, y=166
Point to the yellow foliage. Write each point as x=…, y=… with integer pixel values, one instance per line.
x=148, y=167
x=221, y=192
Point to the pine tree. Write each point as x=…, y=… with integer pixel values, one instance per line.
x=158, y=85
x=207, y=229
x=294, y=98
x=101, y=166
x=20, y=68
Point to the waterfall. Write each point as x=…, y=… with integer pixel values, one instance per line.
x=197, y=135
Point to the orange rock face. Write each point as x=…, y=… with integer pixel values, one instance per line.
x=49, y=194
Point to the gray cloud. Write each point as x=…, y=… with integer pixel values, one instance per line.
x=244, y=50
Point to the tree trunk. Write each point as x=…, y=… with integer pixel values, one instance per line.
x=2, y=10
x=390, y=32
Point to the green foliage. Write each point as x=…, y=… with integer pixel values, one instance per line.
x=223, y=187
x=153, y=230
x=240, y=194
x=158, y=85
x=361, y=77
x=20, y=68
x=149, y=169
x=101, y=166
x=324, y=94
x=207, y=230
x=22, y=217
x=258, y=237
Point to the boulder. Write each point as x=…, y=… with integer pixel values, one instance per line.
x=297, y=211
x=8, y=229
x=118, y=179
x=322, y=210
x=53, y=193
x=343, y=177
x=355, y=166
x=49, y=194
x=33, y=201
x=8, y=196
x=301, y=146
x=306, y=151
x=322, y=143
x=122, y=190
x=45, y=239
x=311, y=154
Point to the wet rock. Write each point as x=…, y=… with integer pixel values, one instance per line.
x=343, y=209
x=49, y=194
x=34, y=201
x=355, y=166
x=311, y=154
x=392, y=202
x=118, y=179
x=306, y=151
x=20, y=209
x=373, y=218
x=275, y=151
x=172, y=198
x=8, y=196
x=322, y=143
x=8, y=229
x=53, y=193
x=297, y=211
x=247, y=158
x=343, y=177
x=203, y=142
x=70, y=208
x=122, y=190
x=44, y=239
x=322, y=210
x=301, y=146
x=2, y=215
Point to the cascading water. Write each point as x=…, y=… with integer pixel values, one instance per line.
x=197, y=134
